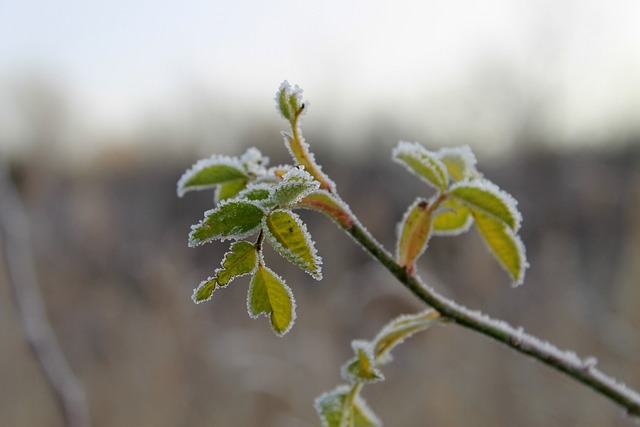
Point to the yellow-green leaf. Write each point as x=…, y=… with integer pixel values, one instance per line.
x=204, y=291
x=230, y=189
x=289, y=237
x=503, y=243
x=362, y=368
x=240, y=260
x=423, y=163
x=485, y=196
x=451, y=219
x=414, y=232
x=460, y=162
x=344, y=407
x=269, y=295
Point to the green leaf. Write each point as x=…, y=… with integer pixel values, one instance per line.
x=413, y=232
x=229, y=190
x=325, y=202
x=269, y=295
x=240, y=260
x=295, y=185
x=451, y=219
x=423, y=163
x=261, y=193
x=503, y=243
x=289, y=237
x=204, y=291
x=485, y=196
x=230, y=220
x=208, y=173
x=399, y=329
x=460, y=162
x=341, y=408
x=362, y=368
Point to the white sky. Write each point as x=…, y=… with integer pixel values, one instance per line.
x=432, y=65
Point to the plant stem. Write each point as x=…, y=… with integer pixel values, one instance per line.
x=582, y=370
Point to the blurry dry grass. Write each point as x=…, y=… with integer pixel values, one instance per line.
x=117, y=277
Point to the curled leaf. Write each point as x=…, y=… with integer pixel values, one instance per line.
x=399, y=329
x=362, y=368
x=451, y=219
x=344, y=407
x=423, y=163
x=460, y=162
x=413, y=232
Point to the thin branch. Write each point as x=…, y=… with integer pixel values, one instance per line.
x=582, y=370
x=19, y=264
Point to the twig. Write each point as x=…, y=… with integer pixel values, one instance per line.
x=582, y=370
x=19, y=264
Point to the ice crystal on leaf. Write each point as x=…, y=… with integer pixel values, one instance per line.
x=460, y=162
x=423, y=163
x=233, y=219
x=485, y=196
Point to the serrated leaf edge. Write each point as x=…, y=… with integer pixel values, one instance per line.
x=193, y=243
x=268, y=315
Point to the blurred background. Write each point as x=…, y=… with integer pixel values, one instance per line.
x=103, y=105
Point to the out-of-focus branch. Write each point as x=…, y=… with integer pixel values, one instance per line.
x=19, y=264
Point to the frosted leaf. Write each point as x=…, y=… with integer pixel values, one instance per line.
x=289, y=101
x=233, y=219
x=451, y=219
x=207, y=173
x=295, y=185
x=485, y=196
x=325, y=202
x=399, y=329
x=423, y=163
x=259, y=193
x=229, y=190
x=413, y=232
x=362, y=368
x=269, y=295
x=288, y=235
x=241, y=260
x=460, y=162
x=339, y=408
x=254, y=162
x=204, y=291
x=504, y=244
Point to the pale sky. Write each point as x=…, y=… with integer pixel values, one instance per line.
x=429, y=65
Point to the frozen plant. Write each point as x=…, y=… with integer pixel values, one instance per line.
x=255, y=204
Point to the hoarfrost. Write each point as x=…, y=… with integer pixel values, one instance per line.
x=289, y=293
x=466, y=156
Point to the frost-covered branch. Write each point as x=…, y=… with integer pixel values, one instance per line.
x=582, y=370
x=21, y=275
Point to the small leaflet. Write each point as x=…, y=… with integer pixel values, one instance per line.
x=230, y=220
x=339, y=408
x=423, y=163
x=413, y=232
x=288, y=235
x=269, y=295
x=229, y=190
x=204, y=291
x=504, y=244
x=261, y=193
x=485, y=196
x=207, y=173
x=460, y=162
x=295, y=185
x=324, y=202
x=399, y=329
x=362, y=368
x=242, y=259
x=288, y=100
x=452, y=219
